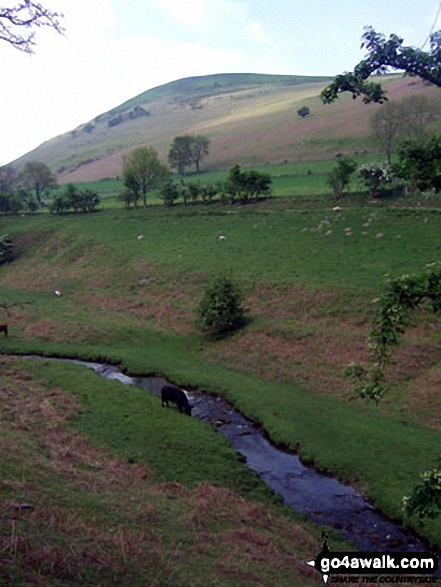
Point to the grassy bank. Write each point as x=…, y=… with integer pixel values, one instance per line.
x=309, y=277
x=89, y=494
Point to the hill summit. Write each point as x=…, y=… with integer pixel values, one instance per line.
x=251, y=119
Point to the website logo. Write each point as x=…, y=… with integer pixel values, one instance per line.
x=393, y=564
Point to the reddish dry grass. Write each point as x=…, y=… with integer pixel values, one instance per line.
x=311, y=336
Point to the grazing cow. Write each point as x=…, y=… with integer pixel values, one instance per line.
x=177, y=396
x=4, y=328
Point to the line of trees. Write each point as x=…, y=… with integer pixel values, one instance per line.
x=142, y=171
x=74, y=199
x=239, y=187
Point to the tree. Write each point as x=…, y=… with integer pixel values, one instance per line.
x=378, y=178
x=235, y=183
x=418, y=112
x=256, y=183
x=18, y=23
x=143, y=171
x=386, y=126
x=220, y=309
x=199, y=149
x=8, y=178
x=396, y=306
x=37, y=176
x=181, y=153
x=304, y=111
x=383, y=55
x=424, y=500
x=340, y=176
x=420, y=163
x=244, y=184
x=170, y=193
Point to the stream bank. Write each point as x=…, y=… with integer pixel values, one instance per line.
x=323, y=499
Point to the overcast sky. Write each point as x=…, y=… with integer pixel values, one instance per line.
x=115, y=49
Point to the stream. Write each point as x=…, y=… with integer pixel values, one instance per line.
x=323, y=499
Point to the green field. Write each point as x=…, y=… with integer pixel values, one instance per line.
x=310, y=277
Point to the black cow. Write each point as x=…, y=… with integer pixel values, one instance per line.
x=177, y=396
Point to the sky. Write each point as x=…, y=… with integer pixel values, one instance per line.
x=112, y=50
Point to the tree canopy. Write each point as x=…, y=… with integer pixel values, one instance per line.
x=383, y=56
x=188, y=150
x=143, y=171
x=37, y=175
x=18, y=23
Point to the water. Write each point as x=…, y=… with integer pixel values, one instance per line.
x=325, y=500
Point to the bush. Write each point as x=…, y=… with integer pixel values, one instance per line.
x=220, y=309
x=6, y=249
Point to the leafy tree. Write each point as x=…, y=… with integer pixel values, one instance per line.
x=303, y=111
x=37, y=176
x=132, y=192
x=143, y=171
x=59, y=204
x=188, y=150
x=420, y=163
x=89, y=201
x=378, y=178
x=200, y=150
x=180, y=154
x=170, y=192
x=194, y=190
x=220, y=308
x=396, y=306
x=11, y=202
x=128, y=197
x=340, y=176
x=18, y=23
x=235, y=183
x=244, y=184
x=256, y=183
x=383, y=55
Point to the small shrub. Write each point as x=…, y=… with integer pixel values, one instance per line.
x=424, y=502
x=220, y=309
x=6, y=249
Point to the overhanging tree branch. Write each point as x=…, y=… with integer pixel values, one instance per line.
x=18, y=23
x=385, y=55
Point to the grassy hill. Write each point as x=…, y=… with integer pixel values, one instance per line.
x=250, y=119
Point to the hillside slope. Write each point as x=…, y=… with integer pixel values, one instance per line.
x=250, y=119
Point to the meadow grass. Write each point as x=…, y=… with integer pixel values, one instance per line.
x=129, y=301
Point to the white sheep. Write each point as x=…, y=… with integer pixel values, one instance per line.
x=222, y=238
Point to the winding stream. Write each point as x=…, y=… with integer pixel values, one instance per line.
x=323, y=499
